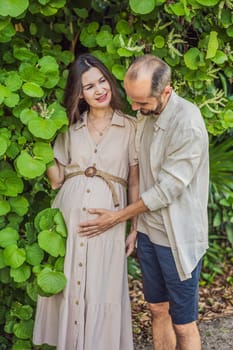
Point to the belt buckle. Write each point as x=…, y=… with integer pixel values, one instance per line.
x=90, y=171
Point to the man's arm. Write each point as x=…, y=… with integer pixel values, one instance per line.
x=108, y=218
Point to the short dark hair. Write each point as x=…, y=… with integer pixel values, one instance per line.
x=75, y=105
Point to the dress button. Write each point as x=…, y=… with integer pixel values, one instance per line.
x=95, y=150
x=76, y=302
x=78, y=283
x=88, y=191
x=80, y=264
x=81, y=244
x=84, y=209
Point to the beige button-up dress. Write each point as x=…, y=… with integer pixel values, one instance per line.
x=93, y=312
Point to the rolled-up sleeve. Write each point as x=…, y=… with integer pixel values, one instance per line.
x=181, y=161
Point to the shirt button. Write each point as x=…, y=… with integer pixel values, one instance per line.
x=78, y=283
x=81, y=244
x=80, y=264
x=95, y=150
x=94, y=164
x=84, y=209
x=88, y=190
x=76, y=302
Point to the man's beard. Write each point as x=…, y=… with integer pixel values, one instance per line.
x=156, y=111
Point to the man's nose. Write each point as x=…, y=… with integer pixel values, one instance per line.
x=135, y=106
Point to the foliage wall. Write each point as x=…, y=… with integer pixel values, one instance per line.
x=38, y=40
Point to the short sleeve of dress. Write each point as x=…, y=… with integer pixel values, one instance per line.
x=61, y=149
x=133, y=156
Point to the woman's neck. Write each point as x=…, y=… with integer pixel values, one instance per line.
x=100, y=114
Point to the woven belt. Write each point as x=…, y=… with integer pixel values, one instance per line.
x=108, y=178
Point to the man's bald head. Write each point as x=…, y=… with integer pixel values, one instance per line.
x=153, y=69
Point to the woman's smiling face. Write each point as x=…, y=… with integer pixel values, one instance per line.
x=96, y=89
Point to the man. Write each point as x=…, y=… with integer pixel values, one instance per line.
x=172, y=145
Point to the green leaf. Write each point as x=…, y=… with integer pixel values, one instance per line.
x=123, y=52
x=192, y=58
x=2, y=260
x=93, y=27
x=32, y=290
x=229, y=231
x=4, y=207
x=24, y=54
x=5, y=275
x=178, y=9
x=10, y=183
x=44, y=151
x=44, y=220
x=19, y=205
x=34, y=254
x=21, y=274
x=142, y=7
x=49, y=67
x=81, y=12
x=60, y=224
x=22, y=345
x=30, y=73
x=32, y=90
x=28, y=114
x=23, y=329
x=209, y=3
x=118, y=71
x=87, y=39
x=123, y=27
x=220, y=57
x=13, y=8
x=14, y=256
x=29, y=167
x=6, y=34
x=103, y=38
x=13, y=81
x=159, y=41
x=52, y=243
x=12, y=100
x=58, y=115
x=230, y=31
x=23, y=312
x=212, y=45
x=8, y=236
x=42, y=128
x=4, y=143
x=51, y=282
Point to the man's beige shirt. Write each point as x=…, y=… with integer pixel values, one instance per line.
x=174, y=181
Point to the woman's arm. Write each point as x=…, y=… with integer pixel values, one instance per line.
x=55, y=175
x=133, y=196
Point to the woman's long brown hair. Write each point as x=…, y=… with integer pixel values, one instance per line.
x=75, y=105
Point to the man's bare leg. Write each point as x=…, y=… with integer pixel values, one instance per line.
x=164, y=337
x=188, y=337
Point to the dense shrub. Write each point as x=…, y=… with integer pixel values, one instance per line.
x=38, y=40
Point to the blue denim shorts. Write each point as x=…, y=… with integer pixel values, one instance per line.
x=161, y=281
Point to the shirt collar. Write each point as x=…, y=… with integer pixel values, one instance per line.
x=117, y=119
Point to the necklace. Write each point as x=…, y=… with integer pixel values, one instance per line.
x=100, y=132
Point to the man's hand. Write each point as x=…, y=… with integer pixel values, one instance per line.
x=130, y=242
x=92, y=228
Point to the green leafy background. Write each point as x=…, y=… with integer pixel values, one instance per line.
x=38, y=41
